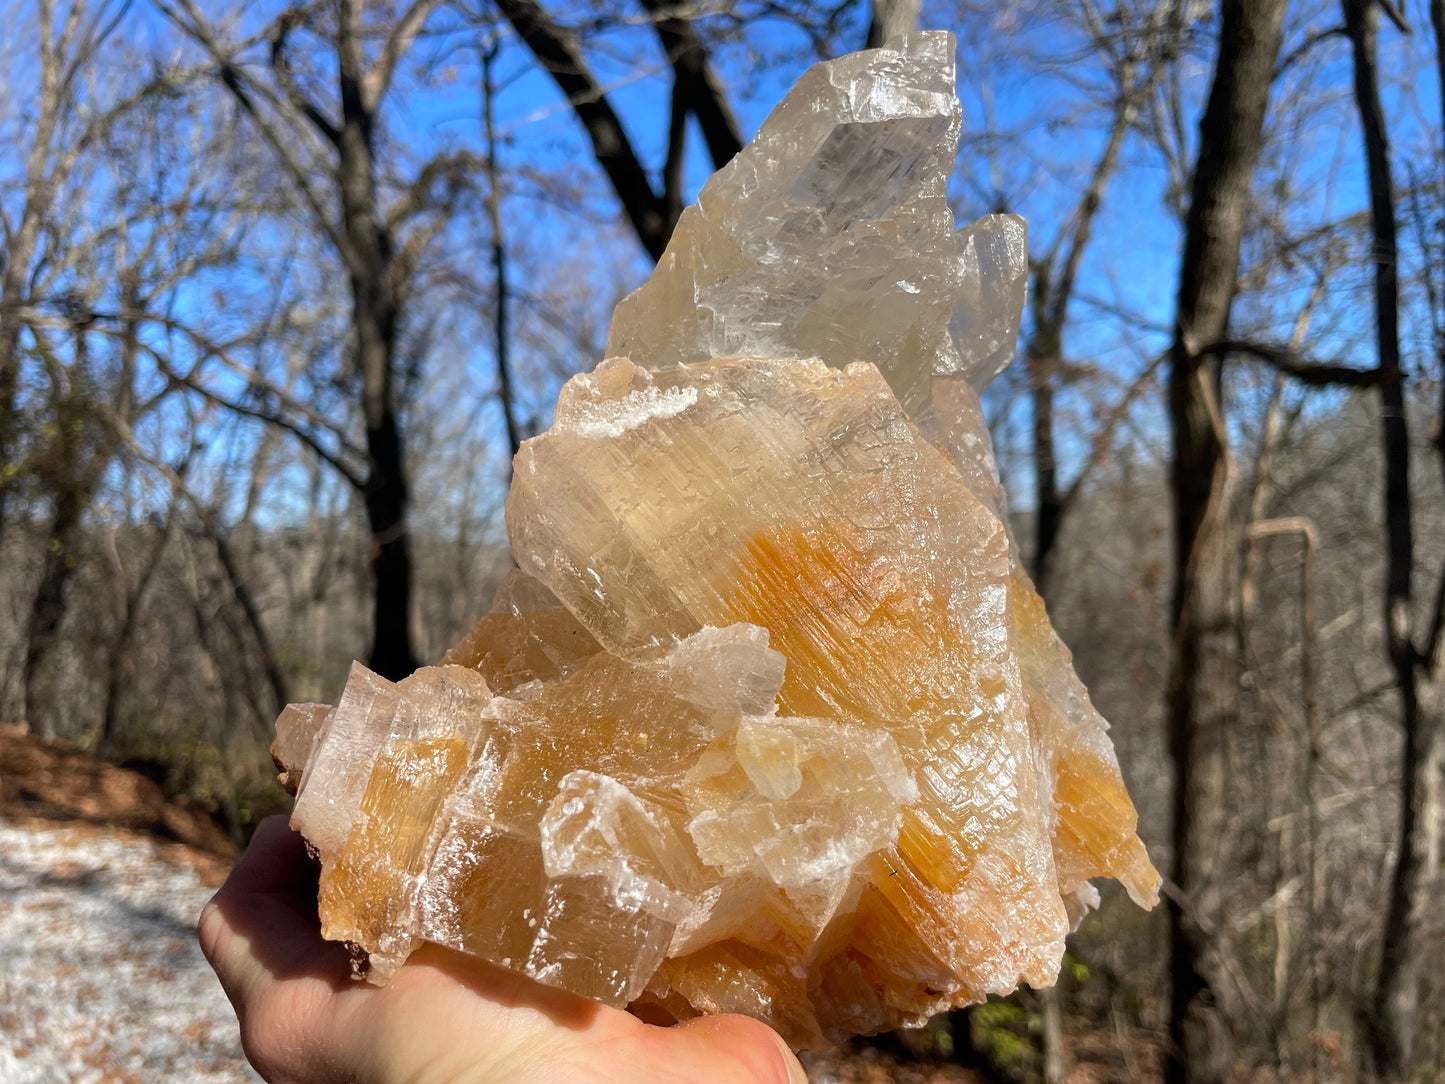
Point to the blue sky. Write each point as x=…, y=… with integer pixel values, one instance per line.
x=572, y=256
x=1052, y=135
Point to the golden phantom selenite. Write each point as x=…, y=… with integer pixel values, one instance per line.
x=768, y=720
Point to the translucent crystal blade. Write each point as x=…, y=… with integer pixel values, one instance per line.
x=830, y=236
x=527, y=636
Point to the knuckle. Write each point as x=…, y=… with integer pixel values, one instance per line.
x=211, y=930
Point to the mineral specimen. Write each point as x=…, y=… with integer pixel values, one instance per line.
x=769, y=719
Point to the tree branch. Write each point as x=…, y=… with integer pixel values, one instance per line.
x=195, y=26
x=1287, y=361
x=558, y=54
x=100, y=30
x=233, y=79
x=209, y=348
x=1304, y=48
x=695, y=79
x=270, y=417
x=1089, y=205
x=287, y=82
x=100, y=124
x=454, y=168
x=377, y=81
x=1395, y=14
x=1106, y=431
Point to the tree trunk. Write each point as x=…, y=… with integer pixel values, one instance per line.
x=1051, y=508
x=701, y=93
x=1392, y=1014
x=1203, y=681
x=386, y=510
x=1056, y=1062
x=375, y=317
x=1050, y=303
x=506, y=392
x=47, y=607
x=1041, y=364
x=72, y=469
x=17, y=258
x=9, y=386
x=132, y=600
x=891, y=18
x=1437, y=22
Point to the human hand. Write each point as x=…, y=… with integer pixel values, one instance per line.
x=445, y=1018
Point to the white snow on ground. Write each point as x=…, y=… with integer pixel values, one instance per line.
x=101, y=979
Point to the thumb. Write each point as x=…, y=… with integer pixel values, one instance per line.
x=728, y=1049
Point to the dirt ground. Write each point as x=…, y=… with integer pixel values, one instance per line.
x=57, y=783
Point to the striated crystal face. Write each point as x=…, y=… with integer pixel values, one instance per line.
x=769, y=719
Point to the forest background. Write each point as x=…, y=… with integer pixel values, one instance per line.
x=282, y=288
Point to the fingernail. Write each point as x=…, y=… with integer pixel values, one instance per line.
x=796, y=1073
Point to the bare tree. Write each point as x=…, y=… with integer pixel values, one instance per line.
x=695, y=90
x=1133, y=57
x=1392, y=1013
x=1202, y=684
x=330, y=153
x=69, y=469
x=92, y=232
x=67, y=40
x=889, y=18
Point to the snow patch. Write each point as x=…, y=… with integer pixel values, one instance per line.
x=102, y=977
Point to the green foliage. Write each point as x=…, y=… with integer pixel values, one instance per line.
x=1006, y=1034
x=1077, y=971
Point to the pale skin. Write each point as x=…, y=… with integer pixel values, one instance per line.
x=445, y=1018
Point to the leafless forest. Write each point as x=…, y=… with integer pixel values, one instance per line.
x=281, y=288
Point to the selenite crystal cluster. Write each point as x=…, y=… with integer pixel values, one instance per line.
x=769, y=720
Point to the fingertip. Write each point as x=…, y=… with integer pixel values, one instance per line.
x=793, y=1070
x=760, y=1053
